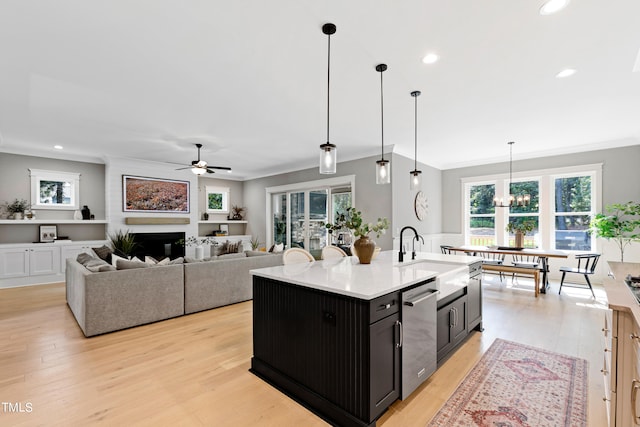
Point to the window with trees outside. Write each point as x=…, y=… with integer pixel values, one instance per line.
x=562, y=202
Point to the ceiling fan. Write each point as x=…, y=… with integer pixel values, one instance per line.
x=200, y=167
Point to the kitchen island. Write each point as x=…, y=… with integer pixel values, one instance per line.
x=329, y=333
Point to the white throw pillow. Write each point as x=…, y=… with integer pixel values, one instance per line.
x=115, y=258
x=278, y=248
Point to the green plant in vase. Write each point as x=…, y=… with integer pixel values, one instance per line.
x=351, y=219
x=519, y=229
x=17, y=208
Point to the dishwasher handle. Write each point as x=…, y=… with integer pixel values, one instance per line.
x=422, y=297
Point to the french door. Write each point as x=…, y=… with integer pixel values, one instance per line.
x=299, y=217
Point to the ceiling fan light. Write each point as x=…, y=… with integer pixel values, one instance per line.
x=328, y=159
x=430, y=58
x=198, y=170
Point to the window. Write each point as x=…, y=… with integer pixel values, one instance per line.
x=573, y=209
x=529, y=213
x=562, y=201
x=482, y=221
x=297, y=212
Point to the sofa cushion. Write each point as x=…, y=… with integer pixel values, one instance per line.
x=229, y=256
x=256, y=253
x=96, y=265
x=123, y=264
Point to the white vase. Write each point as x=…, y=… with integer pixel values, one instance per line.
x=17, y=215
x=77, y=215
x=199, y=252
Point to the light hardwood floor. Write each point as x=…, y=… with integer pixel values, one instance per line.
x=193, y=370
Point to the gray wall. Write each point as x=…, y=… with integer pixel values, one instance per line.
x=395, y=201
x=16, y=183
x=620, y=178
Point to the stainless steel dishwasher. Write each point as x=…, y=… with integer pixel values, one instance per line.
x=418, y=339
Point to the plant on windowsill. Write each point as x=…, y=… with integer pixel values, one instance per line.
x=520, y=229
x=621, y=223
x=352, y=220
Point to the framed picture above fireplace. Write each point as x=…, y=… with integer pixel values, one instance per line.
x=142, y=194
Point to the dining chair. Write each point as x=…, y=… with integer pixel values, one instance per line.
x=330, y=252
x=493, y=259
x=586, y=266
x=446, y=250
x=296, y=256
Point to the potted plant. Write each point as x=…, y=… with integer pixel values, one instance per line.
x=236, y=212
x=621, y=223
x=17, y=208
x=123, y=243
x=255, y=243
x=519, y=229
x=352, y=219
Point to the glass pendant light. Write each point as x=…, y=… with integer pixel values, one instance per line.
x=415, y=179
x=383, y=167
x=328, y=150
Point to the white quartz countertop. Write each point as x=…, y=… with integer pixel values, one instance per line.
x=346, y=276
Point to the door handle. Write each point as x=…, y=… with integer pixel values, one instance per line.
x=635, y=385
x=401, y=333
x=421, y=298
x=451, y=318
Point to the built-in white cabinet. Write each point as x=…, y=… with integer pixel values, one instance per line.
x=14, y=262
x=35, y=263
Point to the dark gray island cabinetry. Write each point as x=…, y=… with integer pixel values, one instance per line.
x=330, y=334
x=337, y=355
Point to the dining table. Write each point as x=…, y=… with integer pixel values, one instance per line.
x=542, y=254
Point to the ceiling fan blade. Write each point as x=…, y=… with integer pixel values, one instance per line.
x=224, y=168
x=187, y=167
x=210, y=171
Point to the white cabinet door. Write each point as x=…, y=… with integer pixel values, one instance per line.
x=72, y=251
x=44, y=260
x=14, y=262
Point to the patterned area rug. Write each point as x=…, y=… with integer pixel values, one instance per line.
x=518, y=385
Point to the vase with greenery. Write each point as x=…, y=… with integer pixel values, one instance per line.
x=199, y=243
x=351, y=219
x=519, y=229
x=237, y=212
x=17, y=208
x=620, y=223
x=123, y=243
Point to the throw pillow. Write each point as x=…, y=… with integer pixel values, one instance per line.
x=115, y=258
x=278, y=248
x=178, y=260
x=123, y=264
x=104, y=252
x=235, y=247
x=219, y=249
x=96, y=265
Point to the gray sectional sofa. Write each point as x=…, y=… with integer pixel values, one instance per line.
x=113, y=300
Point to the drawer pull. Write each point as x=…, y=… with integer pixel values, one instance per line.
x=605, y=330
x=604, y=371
x=634, y=336
x=605, y=399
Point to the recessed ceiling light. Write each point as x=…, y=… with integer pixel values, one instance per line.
x=430, y=58
x=553, y=6
x=58, y=147
x=565, y=73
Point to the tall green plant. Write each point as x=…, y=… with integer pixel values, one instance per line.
x=621, y=223
x=123, y=243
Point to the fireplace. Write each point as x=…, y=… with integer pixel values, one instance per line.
x=159, y=245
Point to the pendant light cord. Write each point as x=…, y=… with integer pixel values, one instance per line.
x=382, y=114
x=415, y=142
x=328, y=79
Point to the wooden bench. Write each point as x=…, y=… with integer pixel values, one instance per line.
x=517, y=270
